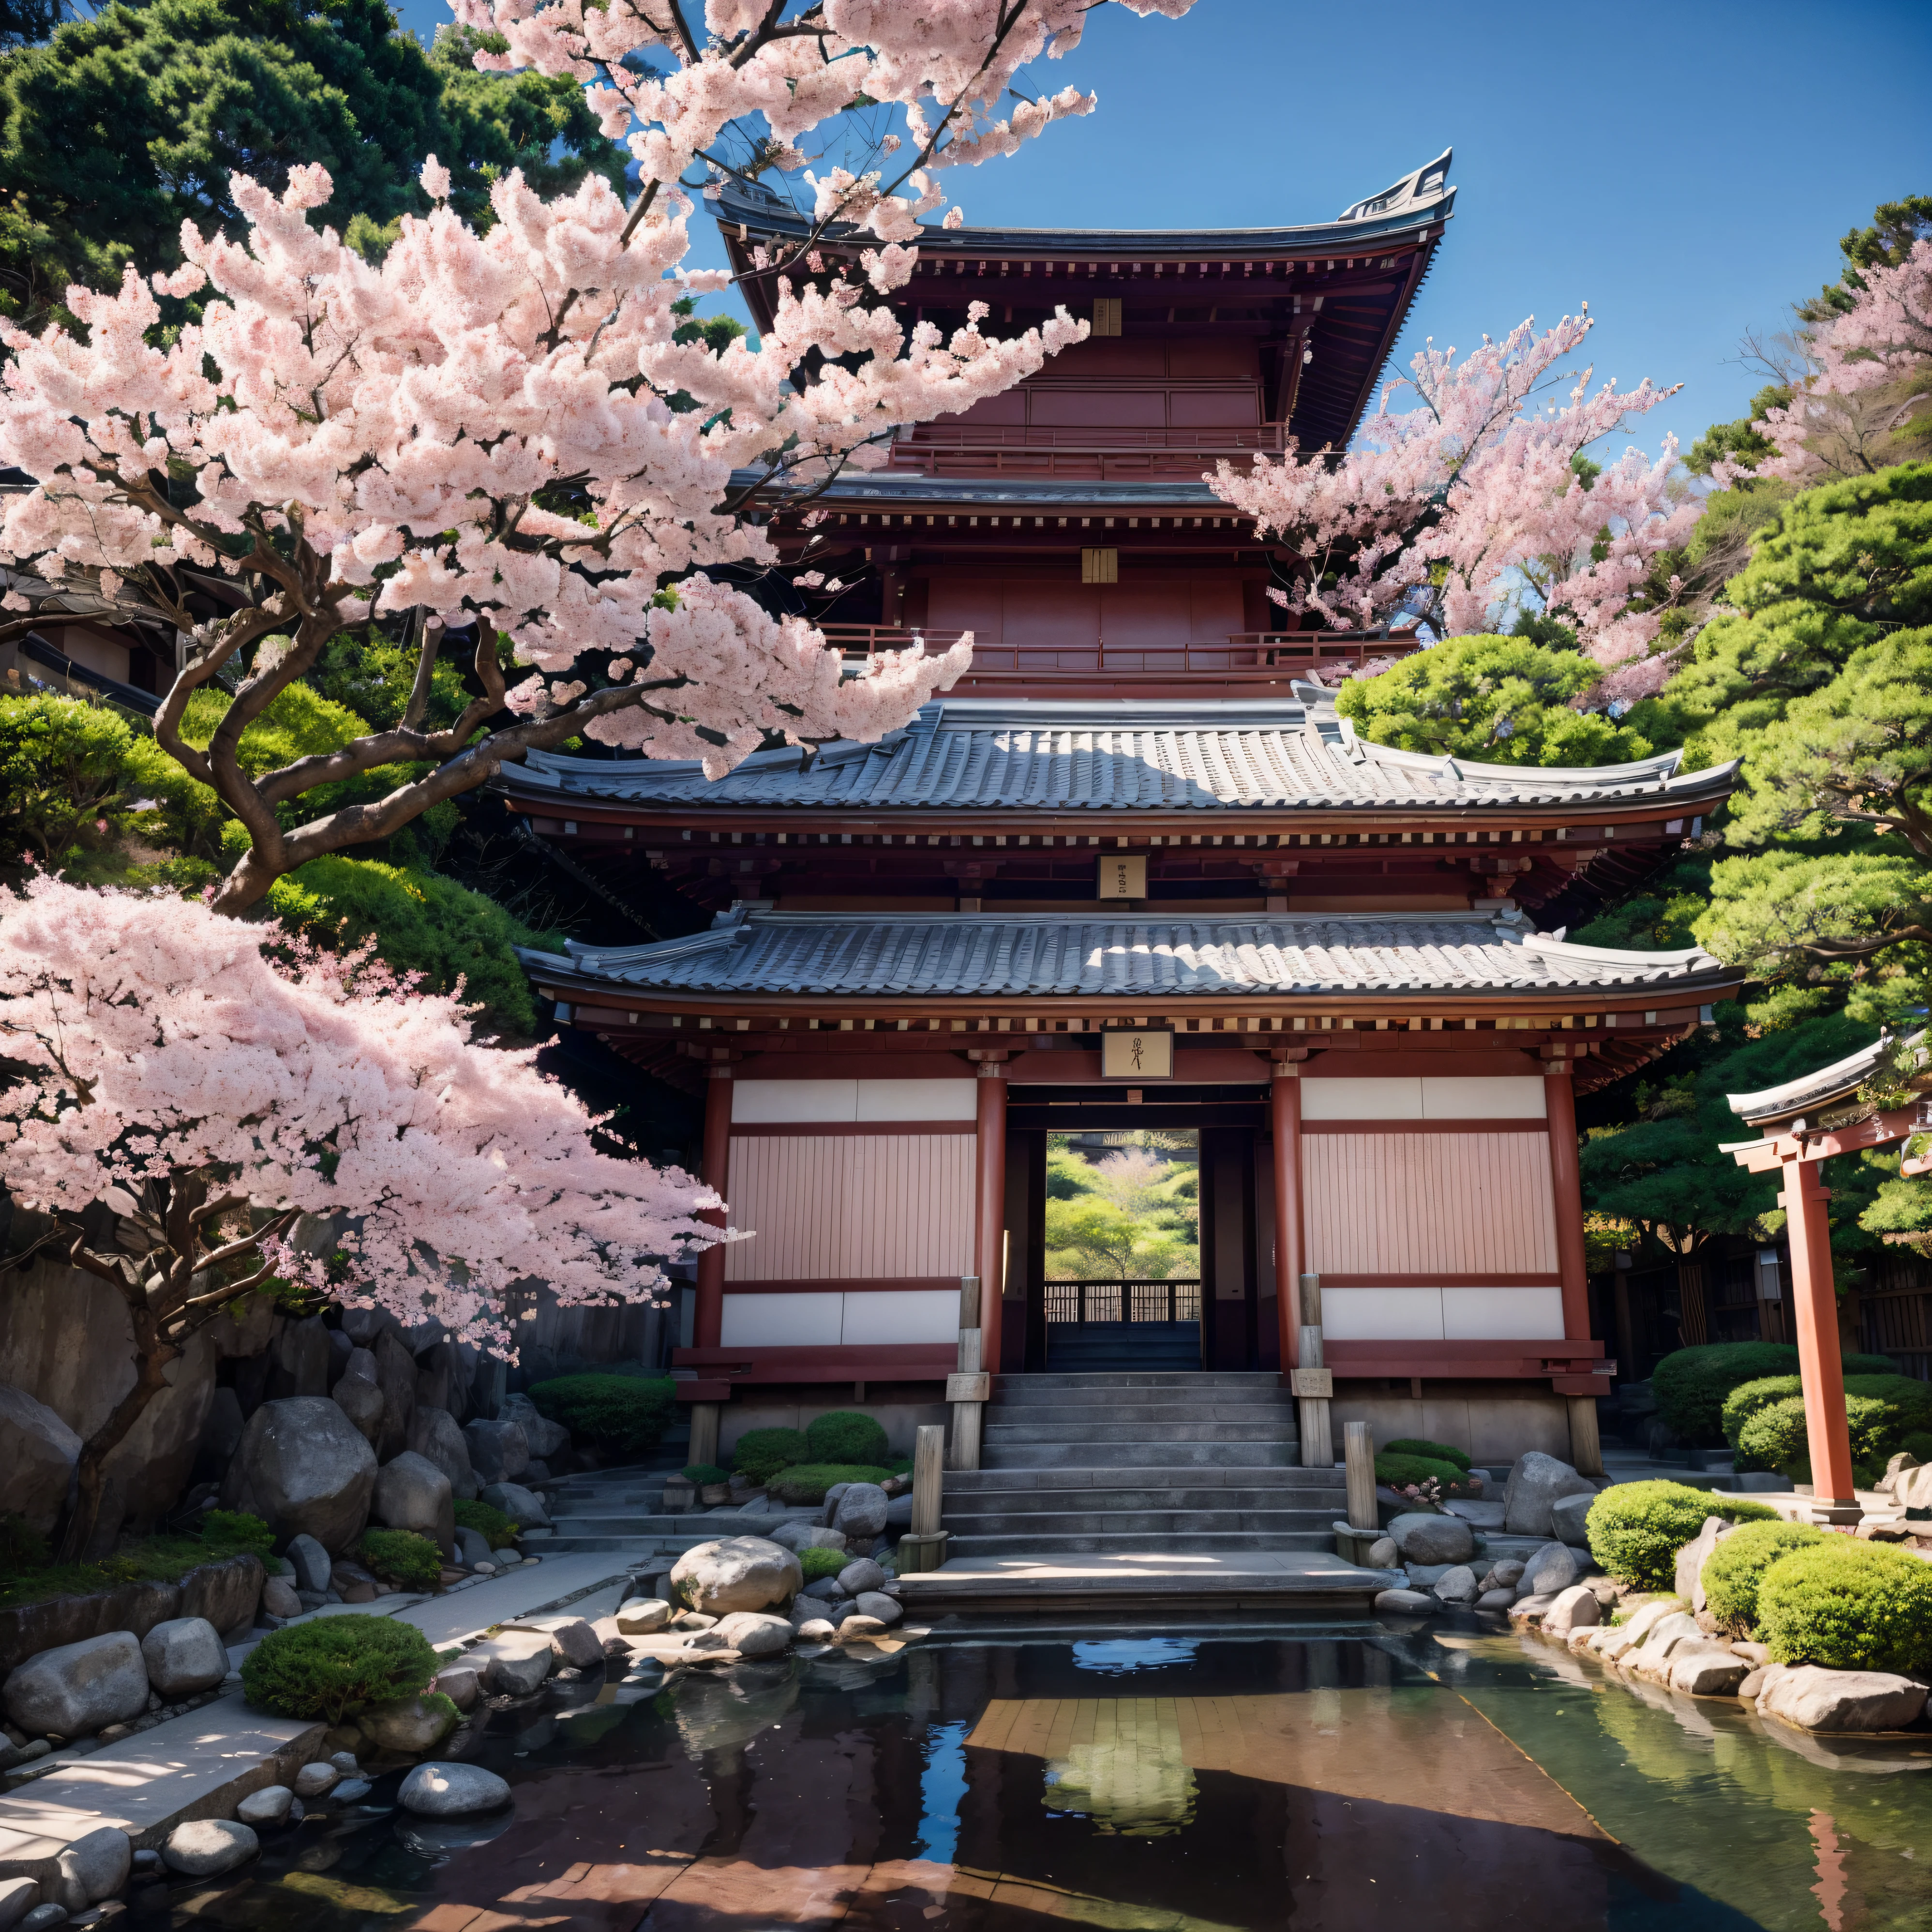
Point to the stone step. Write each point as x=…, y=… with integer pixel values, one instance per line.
x=1146, y=1475
x=1187, y=1428
x=1053, y=1528
x=1187, y=1543
x=1132, y=1454
x=1178, y=1496
x=1027, y=1392
x=1160, y=1409
x=1188, y=1379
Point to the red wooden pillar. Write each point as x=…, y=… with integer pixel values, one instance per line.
x=1814, y=1307
x=1567, y=1187
x=989, y=1222
x=707, y=1330
x=1285, y=1115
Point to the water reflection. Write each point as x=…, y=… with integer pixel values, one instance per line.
x=1323, y=1781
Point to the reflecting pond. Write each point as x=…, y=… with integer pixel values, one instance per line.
x=1328, y=1778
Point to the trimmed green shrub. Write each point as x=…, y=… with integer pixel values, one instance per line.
x=403, y=1557
x=1400, y=1472
x=846, y=1436
x=492, y=1525
x=1918, y=1445
x=337, y=1666
x=1635, y=1529
x=817, y=1563
x=1849, y=1606
x=627, y=1413
x=809, y=1482
x=1745, y=1400
x=235, y=1533
x=1691, y=1384
x=1909, y=1400
x=762, y=1453
x=705, y=1474
x=1775, y=1437
x=1434, y=1452
x=1734, y=1569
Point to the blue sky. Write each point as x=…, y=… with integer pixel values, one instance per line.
x=1686, y=168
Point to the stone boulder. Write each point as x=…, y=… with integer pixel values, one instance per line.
x=1432, y=1539
x=737, y=1573
x=1552, y=1568
x=225, y=1592
x=299, y=1359
x=411, y=1492
x=643, y=1616
x=208, y=1845
x=1575, y=1608
x=1707, y=1671
x=1569, y=1517
x=798, y=1536
x=183, y=1655
x=271, y=1805
x=1506, y=1575
x=1911, y=1489
x=408, y=1728
x=754, y=1633
x=515, y=1664
x=575, y=1641
x=1496, y=1600
x=877, y=1605
x=1536, y=1484
x=317, y=1780
x=280, y=1598
x=309, y=1561
x=1814, y=1699
x=861, y=1514
x=71, y=1692
x=473, y=1547
x=544, y=1437
x=498, y=1452
x=96, y=1864
x=452, y=1791
x=462, y=1684
x=1456, y=1585
x=1478, y=1513
x=38, y=1453
x=516, y=1503
x=304, y=1468
x=861, y=1574
x=434, y=1435
x=1691, y=1558
x=1383, y=1554
x=396, y=1378
x=18, y=1896
x=1413, y=1602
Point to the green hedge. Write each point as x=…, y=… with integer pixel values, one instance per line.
x=1733, y=1571
x=705, y=1474
x=1690, y=1385
x=1635, y=1529
x=847, y=1436
x=1397, y=1472
x=809, y=1482
x=1849, y=1606
x=1775, y=1438
x=1433, y=1452
x=1908, y=1401
x=626, y=1414
x=817, y=1563
x=492, y=1525
x=337, y=1666
x=761, y=1453
x=403, y=1557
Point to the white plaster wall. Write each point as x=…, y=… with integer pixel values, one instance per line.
x=768, y=1102
x=1442, y=1314
x=1427, y=1096
x=865, y=1316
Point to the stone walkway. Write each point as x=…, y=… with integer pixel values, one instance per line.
x=1278, y=1580
x=201, y=1765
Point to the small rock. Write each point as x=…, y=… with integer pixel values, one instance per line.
x=1753, y=1653
x=408, y=1727
x=861, y=1514
x=861, y=1573
x=43, y=1918
x=1817, y=1700
x=18, y=1896
x=1575, y=1608
x=520, y=1504
x=515, y=1664
x=1496, y=1600
x=573, y=1639
x=344, y=1761
x=185, y=1654
x=268, y=1806
x=315, y=1780
x=1552, y=1568
x=1532, y=1606
x=1432, y=1539
x=95, y=1866
x=1457, y=1585
x=858, y=1625
x=692, y=1620
x=1708, y=1673
x=460, y=1684
x=642, y=1615
x=754, y=1633
x=1383, y=1554
x=877, y=1605
x=280, y=1598
x=472, y=1547
x=452, y=1791
x=816, y=1630
x=797, y=1536
x=207, y=1846
x=1536, y=1484
x=1569, y=1519
x=1412, y=1602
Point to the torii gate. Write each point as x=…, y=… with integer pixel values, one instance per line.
x=1801, y=1150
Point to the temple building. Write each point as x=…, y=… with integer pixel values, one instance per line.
x=1133, y=871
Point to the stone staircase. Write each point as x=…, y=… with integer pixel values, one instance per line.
x=1151, y=1462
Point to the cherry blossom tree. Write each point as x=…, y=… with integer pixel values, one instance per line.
x=1870, y=374
x=1444, y=510
x=211, y=1081
x=478, y=432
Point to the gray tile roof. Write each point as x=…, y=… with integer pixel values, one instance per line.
x=1108, y=755
x=1020, y=955
x=1837, y=1082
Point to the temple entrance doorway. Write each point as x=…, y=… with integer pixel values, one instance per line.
x=1139, y=1230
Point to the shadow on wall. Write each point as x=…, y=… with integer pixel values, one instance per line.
x=1493, y=1423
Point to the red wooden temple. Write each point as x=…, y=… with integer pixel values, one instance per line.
x=1133, y=870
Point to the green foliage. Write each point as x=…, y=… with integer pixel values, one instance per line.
x=809, y=1481
x=235, y=1533
x=1745, y=1400
x=1690, y=1385
x=28, y=1576
x=1635, y=1529
x=1774, y=1436
x=817, y=1563
x=129, y=122
x=73, y=775
x=1733, y=1571
x=403, y=1557
x=1399, y=1471
x=1848, y=1606
x=1742, y=441
x=705, y=1474
x=372, y=675
x=762, y=1453
x=1497, y=700
x=337, y=1666
x=1438, y=1452
x=846, y=1436
x=421, y=923
x=492, y=1525
x=628, y=1414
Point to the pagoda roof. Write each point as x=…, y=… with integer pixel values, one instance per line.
x=896, y=489
x=749, y=953
x=1113, y=756
x=1421, y=199
x=1822, y=1085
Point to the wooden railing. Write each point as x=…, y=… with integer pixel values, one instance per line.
x=1079, y=1301
x=1256, y=653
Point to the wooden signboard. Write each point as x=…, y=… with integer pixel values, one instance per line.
x=1124, y=877
x=1137, y=1055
